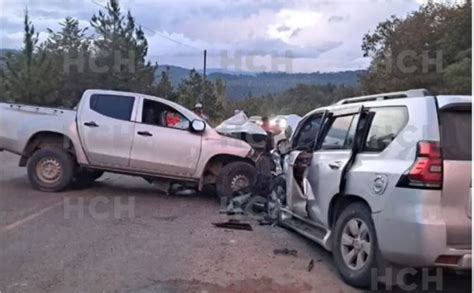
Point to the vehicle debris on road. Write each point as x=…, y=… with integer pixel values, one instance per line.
x=236, y=225
x=286, y=251
x=310, y=265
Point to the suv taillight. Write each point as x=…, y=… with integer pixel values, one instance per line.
x=427, y=170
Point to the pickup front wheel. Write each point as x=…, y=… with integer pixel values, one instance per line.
x=235, y=177
x=50, y=169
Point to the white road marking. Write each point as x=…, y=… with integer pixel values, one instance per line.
x=29, y=218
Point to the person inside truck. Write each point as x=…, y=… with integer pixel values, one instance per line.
x=172, y=119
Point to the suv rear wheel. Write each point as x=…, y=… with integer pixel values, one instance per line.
x=50, y=169
x=355, y=244
x=235, y=177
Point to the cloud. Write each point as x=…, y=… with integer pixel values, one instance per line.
x=336, y=18
x=314, y=35
x=283, y=28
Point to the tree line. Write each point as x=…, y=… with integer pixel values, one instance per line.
x=109, y=54
x=429, y=48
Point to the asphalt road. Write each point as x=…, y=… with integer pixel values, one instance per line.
x=125, y=235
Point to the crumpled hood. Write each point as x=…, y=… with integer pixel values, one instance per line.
x=239, y=127
x=239, y=124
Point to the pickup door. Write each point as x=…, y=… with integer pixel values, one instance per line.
x=106, y=128
x=163, y=141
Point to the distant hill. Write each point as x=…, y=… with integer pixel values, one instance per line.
x=3, y=52
x=240, y=85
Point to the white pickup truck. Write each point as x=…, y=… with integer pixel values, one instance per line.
x=123, y=132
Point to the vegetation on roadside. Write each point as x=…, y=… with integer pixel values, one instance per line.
x=430, y=48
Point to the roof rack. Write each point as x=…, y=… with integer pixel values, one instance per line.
x=386, y=96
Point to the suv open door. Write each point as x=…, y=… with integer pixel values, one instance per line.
x=332, y=157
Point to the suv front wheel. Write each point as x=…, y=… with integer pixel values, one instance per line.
x=355, y=244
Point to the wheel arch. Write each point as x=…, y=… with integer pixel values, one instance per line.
x=340, y=202
x=45, y=138
x=215, y=164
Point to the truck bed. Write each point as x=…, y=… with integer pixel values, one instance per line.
x=18, y=122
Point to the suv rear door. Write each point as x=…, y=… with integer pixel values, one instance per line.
x=455, y=133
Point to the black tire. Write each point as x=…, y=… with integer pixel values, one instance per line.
x=51, y=156
x=356, y=277
x=85, y=177
x=227, y=184
x=277, y=197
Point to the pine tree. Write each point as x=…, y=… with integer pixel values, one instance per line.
x=120, y=49
x=26, y=74
x=68, y=53
x=164, y=88
x=189, y=89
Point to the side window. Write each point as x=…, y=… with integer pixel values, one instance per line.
x=306, y=137
x=336, y=137
x=118, y=107
x=159, y=114
x=386, y=125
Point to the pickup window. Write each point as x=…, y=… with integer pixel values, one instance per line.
x=159, y=114
x=118, y=107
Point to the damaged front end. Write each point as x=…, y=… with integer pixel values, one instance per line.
x=240, y=127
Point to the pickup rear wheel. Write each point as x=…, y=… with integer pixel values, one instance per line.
x=50, y=169
x=235, y=177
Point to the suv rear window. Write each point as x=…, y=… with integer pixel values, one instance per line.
x=456, y=135
x=386, y=125
x=118, y=107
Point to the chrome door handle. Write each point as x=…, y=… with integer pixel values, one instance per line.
x=91, y=124
x=335, y=165
x=144, y=133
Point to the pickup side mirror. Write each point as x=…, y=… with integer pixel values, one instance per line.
x=198, y=125
x=283, y=147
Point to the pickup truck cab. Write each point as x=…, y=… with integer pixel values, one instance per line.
x=123, y=132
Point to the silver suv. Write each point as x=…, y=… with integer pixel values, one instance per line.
x=382, y=179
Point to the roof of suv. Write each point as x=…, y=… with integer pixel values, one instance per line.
x=386, y=96
x=443, y=100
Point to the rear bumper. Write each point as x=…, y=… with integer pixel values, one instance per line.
x=413, y=233
x=459, y=259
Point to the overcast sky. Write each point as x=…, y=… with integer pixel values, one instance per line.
x=248, y=35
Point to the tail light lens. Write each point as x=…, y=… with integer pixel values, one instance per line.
x=427, y=170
